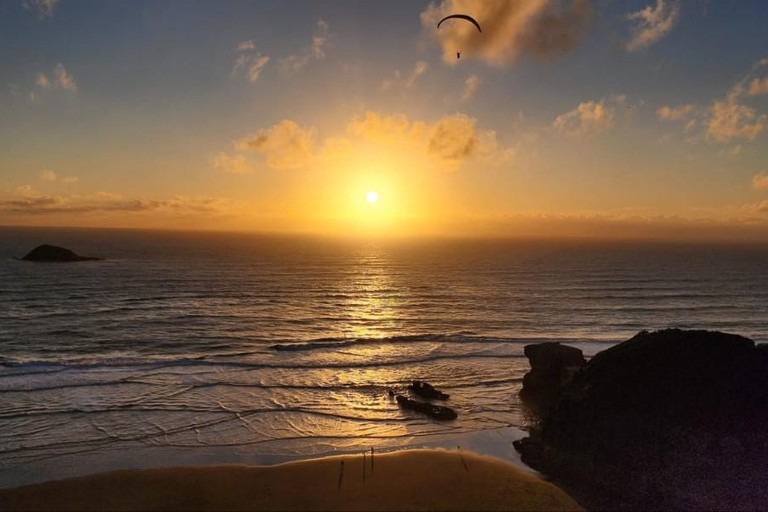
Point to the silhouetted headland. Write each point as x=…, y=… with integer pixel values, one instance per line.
x=670, y=419
x=54, y=254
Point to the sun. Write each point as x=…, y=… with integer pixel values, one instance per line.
x=372, y=197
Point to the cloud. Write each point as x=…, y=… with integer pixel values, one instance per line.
x=729, y=119
x=652, y=24
x=42, y=8
x=28, y=201
x=399, y=83
x=511, y=28
x=316, y=50
x=757, y=208
x=250, y=60
x=679, y=113
x=760, y=181
x=449, y=140
x=443, y=144
x=590, y=118
x=286, y=145
x=64, y=80
x=758, y=86
x=60, y=80
x=231, y=164
x=245, y=46
x=48, y=175
x=470, y=87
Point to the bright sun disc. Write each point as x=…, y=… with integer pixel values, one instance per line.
x=372, y=197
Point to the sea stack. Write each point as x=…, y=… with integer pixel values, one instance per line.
x=52, y=253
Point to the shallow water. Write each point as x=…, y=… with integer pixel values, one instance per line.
x=230, y=347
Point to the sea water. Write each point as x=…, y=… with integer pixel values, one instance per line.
x=187, y=348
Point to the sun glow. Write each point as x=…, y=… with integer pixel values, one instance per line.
x=372, y=197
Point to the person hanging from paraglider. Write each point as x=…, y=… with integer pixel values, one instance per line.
x=461, y=17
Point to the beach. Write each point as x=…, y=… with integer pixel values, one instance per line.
x=406, y=480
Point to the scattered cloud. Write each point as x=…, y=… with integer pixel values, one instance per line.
x=60, y=79
x=470, y=87
x=48, y=175
x=511, y=28
x=231, y=164
x=757, y=208
x=760, y=181
x=443, y=144
x=249, y=60
x=729, y=119
x=679, y=113
x=29, y=201
x=286, y=145
x=316, y=50
x=733, y=152
x=42, y=8
x=652, y=23
x=591, y=117
x=449, y=140
x=758, y=86
x=399, y=82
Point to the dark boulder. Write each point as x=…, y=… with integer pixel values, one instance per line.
x=52, y=253
x=668, y=419
x=427, y=390
x=437, y=412
x=552, y=367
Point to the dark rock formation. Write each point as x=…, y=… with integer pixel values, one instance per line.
x=51, y=253
x=552, y=367
x=427, y=390
x=670, y=419
x=437, y=412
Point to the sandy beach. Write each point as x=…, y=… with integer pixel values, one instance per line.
x=407, y=480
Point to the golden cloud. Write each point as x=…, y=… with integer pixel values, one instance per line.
x=541, y=28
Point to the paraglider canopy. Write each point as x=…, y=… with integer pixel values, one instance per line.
x=461, y=17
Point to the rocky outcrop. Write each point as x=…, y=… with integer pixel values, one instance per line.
x=670, y=419
x=52, y=253
x=552, y=367
x=437, y=412
x=427, y=390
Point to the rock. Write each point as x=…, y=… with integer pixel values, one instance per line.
x=552, y=367
x=52, y=253
x=670, y=419
x=437, y=412
x=426, y=390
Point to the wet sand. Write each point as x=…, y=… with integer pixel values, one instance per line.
x=406, y=480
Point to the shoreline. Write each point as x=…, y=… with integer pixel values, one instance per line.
x=417, y=479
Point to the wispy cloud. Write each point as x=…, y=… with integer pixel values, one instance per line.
x=48, y=175
x=760, y=181
x=470, y=87
x=541, y=28
x=678, y=113
x=286, y=145
x=591, y=117
x=316, y=50
x=42, y=8
x=400, y=82
x=28, y=201
x=249, y=60
x=231, y=164
x=60, y=79
x=652, y=23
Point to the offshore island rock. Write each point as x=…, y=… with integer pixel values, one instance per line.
x=52, y=253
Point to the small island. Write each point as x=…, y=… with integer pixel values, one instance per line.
x=53, y=254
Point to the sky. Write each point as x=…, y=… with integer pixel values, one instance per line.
x=632, y=119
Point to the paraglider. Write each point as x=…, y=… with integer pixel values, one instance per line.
x=461, y=17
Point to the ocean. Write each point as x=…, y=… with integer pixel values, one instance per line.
x=184, y=348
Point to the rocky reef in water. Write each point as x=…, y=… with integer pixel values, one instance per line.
x=52, y=253
x=671, y=419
